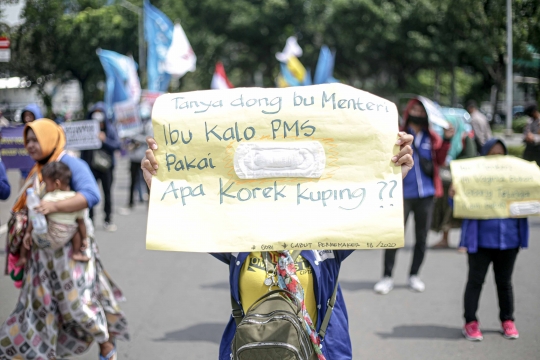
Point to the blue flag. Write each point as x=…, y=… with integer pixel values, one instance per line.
x=115, y=90
x=158, y=33
x=325, y=67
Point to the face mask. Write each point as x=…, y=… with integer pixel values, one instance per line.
x=418, y=120
x=98, y=115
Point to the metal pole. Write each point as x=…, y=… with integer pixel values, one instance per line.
x=509, y=72
x=139, y=11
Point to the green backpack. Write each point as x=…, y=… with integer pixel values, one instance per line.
x=273, y=328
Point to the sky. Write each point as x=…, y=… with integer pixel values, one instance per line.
x=12, y=13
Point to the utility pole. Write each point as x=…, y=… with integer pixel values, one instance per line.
x=142, y=54
x=509, y=70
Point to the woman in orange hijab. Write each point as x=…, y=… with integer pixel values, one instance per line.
x=76, y=303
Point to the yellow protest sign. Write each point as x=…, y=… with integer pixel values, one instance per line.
x=494, y=187
x=271, y=169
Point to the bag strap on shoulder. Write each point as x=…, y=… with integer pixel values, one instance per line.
x=329, y=310
x=238, y=312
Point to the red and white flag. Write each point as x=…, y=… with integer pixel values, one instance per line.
x=220, y=80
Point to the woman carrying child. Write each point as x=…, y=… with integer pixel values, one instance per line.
x=61, y=226
x=64, y=305
x=494, y=241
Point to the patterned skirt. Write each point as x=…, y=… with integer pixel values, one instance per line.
x=63, y=307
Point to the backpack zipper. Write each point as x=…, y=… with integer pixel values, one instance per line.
x=285, y=345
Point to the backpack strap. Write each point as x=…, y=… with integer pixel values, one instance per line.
x=237, y=311
x=329, y=309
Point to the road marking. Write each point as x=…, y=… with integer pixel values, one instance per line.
x=3, y=229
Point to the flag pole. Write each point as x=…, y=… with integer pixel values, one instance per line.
x=139, y=11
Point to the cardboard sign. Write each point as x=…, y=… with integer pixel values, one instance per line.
x=82, y=135
x=272, y=169
x=12, y=151
x=128, y=121
x=495, y=187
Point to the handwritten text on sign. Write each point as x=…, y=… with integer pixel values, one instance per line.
x=272, y=169
x=82, y=135
x=495, y=187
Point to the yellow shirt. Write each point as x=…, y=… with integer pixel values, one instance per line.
x=253, y=275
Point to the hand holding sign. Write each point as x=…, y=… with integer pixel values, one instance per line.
x=263, y=167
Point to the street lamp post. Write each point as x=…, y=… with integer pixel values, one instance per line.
x=139, y=11
x=509, y=72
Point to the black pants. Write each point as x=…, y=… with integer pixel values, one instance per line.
x=135, y=171
x=423, y=211
x=503, y=266
x=106, y=179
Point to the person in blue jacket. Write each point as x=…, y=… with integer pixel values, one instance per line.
x=5, y=188
x=494, y=241
x=110, y=143
x=318, y=272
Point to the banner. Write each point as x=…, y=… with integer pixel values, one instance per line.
x=128, y=121
x=270, y=169
x=494, y=187
x=82, y=135
x=12, y=151
x=148, y=98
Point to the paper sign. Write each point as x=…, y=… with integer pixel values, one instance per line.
x=494, y=187
x=128, y=121
x=315, y=163
x=12, y=151
x=82, y=135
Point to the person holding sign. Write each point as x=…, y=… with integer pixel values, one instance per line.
x=63, y=306
x=311, y=277
x=420, y=186
x=494, y=241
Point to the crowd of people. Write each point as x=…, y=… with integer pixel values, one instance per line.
x=67, y=300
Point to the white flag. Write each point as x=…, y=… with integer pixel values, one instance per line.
x=180, y=56
x=291, y=49
x=133, y=84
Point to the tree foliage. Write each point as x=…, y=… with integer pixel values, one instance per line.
x=455, y=48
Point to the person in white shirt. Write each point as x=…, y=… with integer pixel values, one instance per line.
x=480, y=124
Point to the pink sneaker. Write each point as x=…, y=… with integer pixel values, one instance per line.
x=472, y=332
x=509, y=330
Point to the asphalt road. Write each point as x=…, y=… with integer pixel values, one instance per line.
x=178, y=303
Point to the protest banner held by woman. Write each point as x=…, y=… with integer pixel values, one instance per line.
x=420, y=186
x=314, y=289
x=64, y=305
x=494, y=241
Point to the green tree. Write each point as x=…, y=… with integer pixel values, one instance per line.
x=58, y=41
